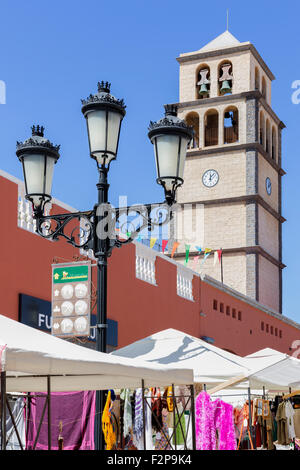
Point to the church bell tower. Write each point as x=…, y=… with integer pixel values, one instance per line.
x=233, y=167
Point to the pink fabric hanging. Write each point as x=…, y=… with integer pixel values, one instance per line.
x=205, y=435
x=224, y=425
x=214, y=424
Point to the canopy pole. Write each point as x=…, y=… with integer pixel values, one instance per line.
x=3, y=410
x=193, y=416
x=174, y=417
x=49, y=410
x=144, y=414
x=250, y=416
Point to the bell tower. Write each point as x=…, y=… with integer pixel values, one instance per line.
x=233, y=167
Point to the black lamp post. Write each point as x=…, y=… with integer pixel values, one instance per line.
x=104, y=114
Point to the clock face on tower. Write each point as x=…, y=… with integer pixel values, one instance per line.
x=210, y=178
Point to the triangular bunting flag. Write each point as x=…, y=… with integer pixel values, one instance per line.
x=198, y=248
x=215, y=257
x=220, y=255
x=164, y=245
x=152, y=242
x=195, y=262
x=174, y=248
x=187, y=252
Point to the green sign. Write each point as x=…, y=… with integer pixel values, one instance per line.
x=70, y=274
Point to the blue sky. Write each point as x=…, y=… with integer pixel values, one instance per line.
x=53, y=54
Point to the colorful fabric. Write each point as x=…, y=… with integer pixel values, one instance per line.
x=205, y=439
x=162, y=436
x=76, y=411
x=180, y=428
x=214, y=424
x=107, y=427
x=127, y=417
x=224, y=425
x=138, y=420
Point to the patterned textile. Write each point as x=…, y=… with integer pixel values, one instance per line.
x=138, y=420
x=162, y=436
x=127, y=417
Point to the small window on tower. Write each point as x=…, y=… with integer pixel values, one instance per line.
x=192, y=119
x=211, y=126
x=215, y=305
x=264, y=88
x=256, y=85
x=231, y=125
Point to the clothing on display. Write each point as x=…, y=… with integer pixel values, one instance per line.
x=214, y=424
x=76, y=412
x=17, y=407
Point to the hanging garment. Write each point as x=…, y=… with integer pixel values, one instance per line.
x=205, y=432
x=162, y=436
x=17, y=409
x=180, y=429
x=107, y=425
x=127, y=417
x=138, y=427
x=169, y=395
x=224, y=425
x=76, y=411
x=282, y=430
x=214, y=424
x=290, y=412
x=148, y=420
x=157, y=405
x=297, y=422
x=246, y=424
x=189, y=433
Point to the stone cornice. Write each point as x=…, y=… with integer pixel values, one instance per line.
x=247, y=199
x=225, y=52
x=219, y=99
x=215, y=150
x=247, y=95
x=248, y=250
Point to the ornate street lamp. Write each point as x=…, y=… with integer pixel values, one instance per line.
x=170, y=137
x=104, y=114
x=38, y=157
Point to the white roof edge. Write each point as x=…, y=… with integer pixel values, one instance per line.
x=19, y=182
x=227, y=289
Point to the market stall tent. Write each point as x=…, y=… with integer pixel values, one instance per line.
x=269, y=368
x=31, y=356
x=216, y=368
x=173, y=348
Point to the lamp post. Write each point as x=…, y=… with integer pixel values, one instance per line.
x=104, y=114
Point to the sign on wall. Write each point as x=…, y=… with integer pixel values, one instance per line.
x=36, y=313
x=71, y=299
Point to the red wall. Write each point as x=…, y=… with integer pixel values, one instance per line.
x=139, y=307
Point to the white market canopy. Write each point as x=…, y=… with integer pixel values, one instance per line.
x=282, y=372
x=173, y=348
x=213, y=366
x=71, y=367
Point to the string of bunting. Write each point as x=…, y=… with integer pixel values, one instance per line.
x=206, y=252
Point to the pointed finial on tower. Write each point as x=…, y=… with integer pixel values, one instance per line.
x=227, y=21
